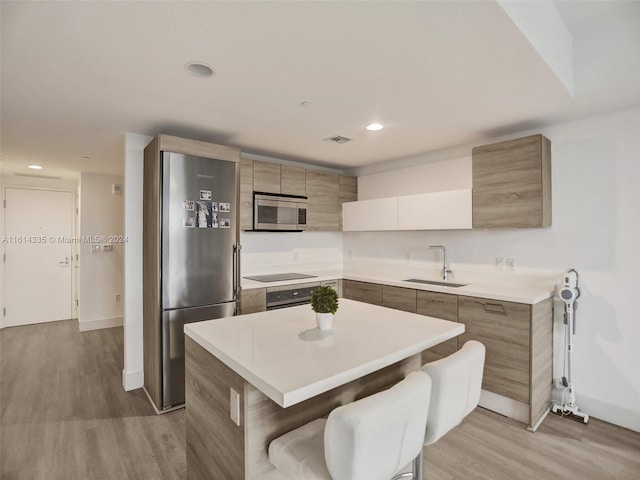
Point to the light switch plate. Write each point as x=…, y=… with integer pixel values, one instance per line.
x=234, y=406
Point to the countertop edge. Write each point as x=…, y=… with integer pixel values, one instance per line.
x=523, y=294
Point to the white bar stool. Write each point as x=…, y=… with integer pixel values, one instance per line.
x=369, y=439
x=455, y=392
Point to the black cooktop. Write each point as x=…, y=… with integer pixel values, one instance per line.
x=279, y=277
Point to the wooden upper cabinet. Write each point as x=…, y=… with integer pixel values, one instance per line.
x=266, y=177
x=292, y=180
x=323, y=204
x=348, y=193
x=325, y=191
x=246, y=194
x=512, y=183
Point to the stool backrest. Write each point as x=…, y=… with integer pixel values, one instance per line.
x=373, y=438
x=456, y=384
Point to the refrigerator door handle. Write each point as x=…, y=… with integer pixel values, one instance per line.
x=236, y=271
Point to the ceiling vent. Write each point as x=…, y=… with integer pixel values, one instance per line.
x=337, y=139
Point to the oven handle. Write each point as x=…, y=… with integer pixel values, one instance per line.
x=279, y=305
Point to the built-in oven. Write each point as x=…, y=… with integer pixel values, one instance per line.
x=290, y=296
x=278, y=212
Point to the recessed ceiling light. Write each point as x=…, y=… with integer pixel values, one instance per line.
x=86, y=157
x=305, y=104
x=374, y=126
x=35, y=167
x=199, y=69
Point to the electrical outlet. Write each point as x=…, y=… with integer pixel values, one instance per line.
x=234, y=406
x=117, y=296
x=500, y=264
x=511, y=264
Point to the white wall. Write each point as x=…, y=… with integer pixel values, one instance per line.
x=101, y=272
x=133, y=372
x=596, y=230
x=269, y=252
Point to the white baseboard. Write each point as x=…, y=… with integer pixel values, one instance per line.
x=504, y=406
x=99, y=323
x=132, y=381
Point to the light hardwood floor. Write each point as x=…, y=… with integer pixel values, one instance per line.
x=65, y=416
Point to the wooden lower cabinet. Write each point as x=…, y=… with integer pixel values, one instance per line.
x=253, y=300
x=518, y=337
x=399, y=298
x=363, y=291
x=519, y=342
x=438, y=305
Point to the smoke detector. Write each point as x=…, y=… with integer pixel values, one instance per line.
x=337, y=139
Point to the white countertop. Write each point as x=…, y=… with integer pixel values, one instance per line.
x=508, y=293
x=269, y=351
x=319, y=276
x=515, y=292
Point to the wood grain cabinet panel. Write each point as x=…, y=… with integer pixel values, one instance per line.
x=348, y=193
x=438, y=305
x=399, y=298
x=292, y=180
x=246, y=194
x=519, y=342
x=266, y=177
x=503, y=328
x=512, y=183
x=253, y=300
x=323, y=199
x=363, y=291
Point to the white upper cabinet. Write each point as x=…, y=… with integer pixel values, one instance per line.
x=449, y=210
x=370, y=215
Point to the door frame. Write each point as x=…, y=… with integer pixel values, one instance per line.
x=75, y=263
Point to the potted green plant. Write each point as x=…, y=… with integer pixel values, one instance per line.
x=324, y=302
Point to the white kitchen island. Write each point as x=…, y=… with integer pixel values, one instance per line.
x=287, y=373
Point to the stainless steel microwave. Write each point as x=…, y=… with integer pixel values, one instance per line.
x=278, y=212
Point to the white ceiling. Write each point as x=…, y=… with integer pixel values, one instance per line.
x=77, y=75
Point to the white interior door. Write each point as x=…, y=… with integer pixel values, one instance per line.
x=39, y=262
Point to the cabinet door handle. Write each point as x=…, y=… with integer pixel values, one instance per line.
x=494, y=308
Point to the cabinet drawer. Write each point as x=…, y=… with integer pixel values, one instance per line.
x=503, y=328
x=363, y=291
x=439, y=305
x=399, y=298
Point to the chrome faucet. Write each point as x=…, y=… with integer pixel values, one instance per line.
x=445, y=268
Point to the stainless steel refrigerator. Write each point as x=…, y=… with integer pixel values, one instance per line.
x=200, y=262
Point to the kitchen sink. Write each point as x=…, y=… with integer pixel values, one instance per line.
x=435, y=282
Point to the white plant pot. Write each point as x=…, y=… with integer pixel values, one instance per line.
x=324, y=320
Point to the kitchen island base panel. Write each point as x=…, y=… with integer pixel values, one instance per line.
x=218, y=448
x=215, y=444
